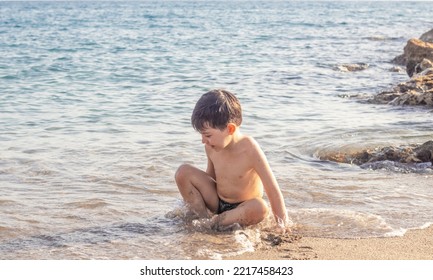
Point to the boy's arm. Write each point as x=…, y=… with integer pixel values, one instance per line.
x=270, y=185
x=210, y=168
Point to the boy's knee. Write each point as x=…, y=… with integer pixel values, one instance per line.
x=260, y=209
x=181, y=172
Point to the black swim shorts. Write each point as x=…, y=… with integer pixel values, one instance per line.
x=225, y=206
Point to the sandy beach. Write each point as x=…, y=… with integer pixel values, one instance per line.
x=414, y=245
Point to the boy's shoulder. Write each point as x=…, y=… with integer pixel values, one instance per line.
x=247, y=139
x=249, y=143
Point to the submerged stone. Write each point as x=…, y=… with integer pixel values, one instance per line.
x=402, y=154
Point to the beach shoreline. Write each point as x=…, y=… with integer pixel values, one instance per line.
x=416, y=244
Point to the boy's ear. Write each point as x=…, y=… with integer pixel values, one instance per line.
x=232, y=128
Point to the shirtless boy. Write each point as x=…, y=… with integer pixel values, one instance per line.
x=237, y=170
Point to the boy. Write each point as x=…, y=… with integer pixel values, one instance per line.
x=237, y=169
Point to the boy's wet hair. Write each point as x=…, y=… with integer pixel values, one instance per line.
x=216, y=108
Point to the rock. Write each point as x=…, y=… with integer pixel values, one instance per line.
x=425, y=152
x=414, y=98
x=427, y=37
x=399, y=60
x=396, y=69
x=410, y=67
x=402, y=59
x=407, y=154
x=352, y=67
x=416, y=91
x=418, y=56
x=415, y=51
x=422, y=66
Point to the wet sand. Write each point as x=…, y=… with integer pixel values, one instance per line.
x=414, y=245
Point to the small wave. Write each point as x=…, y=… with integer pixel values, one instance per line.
x=138, y=228
x=3, y=229
x=88, y=204
x=196, y=224
x=205, y=241
x=182, y=213
x=383, y=38
x=424, y=167
x=396, y=233
x=7, y=202
x=9, y=77
x=402, y=231
x=339, y=223
x=426, y=225
x=244, y=240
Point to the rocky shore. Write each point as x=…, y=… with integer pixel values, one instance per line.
x=417, y=91
x=406, y=155
x=418, y=59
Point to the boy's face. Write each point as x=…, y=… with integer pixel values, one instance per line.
x=215, y=138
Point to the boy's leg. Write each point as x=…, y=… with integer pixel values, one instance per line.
x=248, y=213
x=198, y=189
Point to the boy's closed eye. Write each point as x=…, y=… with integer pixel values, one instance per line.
x=206, y=134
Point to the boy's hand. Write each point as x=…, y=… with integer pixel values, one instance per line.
x=282, y=229
x=283, y=226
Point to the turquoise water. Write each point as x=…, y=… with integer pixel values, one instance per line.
x=95, y=102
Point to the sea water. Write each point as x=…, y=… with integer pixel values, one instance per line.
x=95, y=106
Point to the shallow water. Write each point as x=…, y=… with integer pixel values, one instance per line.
x=95, y=101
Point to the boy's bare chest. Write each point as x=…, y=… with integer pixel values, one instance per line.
x=231, y=167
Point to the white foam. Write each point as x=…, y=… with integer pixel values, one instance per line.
x=403, y=231
x=426, y=225
x=345, y=223
x=396, y=233
x=246, y=239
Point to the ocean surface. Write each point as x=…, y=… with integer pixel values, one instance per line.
x=95, y=106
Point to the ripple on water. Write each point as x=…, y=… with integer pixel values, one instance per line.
x=88, y=204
